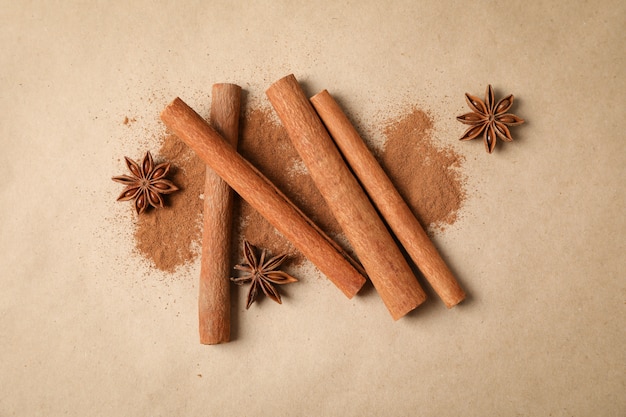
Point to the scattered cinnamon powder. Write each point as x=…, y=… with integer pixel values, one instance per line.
x=169, y=236
x=426, y=175
x=265, y=143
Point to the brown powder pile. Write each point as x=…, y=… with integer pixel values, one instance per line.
x=265, y=143
x=169, y=237
x=426, y=176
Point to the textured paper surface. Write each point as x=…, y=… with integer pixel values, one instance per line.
x=88, y=328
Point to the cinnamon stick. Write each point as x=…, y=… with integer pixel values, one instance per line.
x=384, y=263
x=263, y=196
x=388, y=201
x=214, y=286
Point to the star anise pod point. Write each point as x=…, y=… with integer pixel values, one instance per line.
x=146, y=183
x=261, y=274
x=489, y=118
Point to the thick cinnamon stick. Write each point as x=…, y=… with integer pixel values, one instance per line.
x=384, y=263
x=214, y=286
x=386, y=198
x=263, y=196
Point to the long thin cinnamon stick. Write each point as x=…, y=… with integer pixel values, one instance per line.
x=385, y=265
x=214, y=286
x=386, y=198
x=263, y=196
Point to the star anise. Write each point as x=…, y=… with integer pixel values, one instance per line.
x=489, y=118
x=262, y=274
x=146, y=183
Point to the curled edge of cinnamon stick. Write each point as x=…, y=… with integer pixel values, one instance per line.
x=264, y=197
x=214, y=284
x=385, y=265
x=386, y=198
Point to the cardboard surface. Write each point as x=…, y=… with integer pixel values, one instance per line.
x=87, y=327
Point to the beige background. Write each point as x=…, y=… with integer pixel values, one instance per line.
x=89, y=328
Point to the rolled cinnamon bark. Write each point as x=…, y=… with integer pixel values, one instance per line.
x=384, y=263
x=214, y=286
x=388, y=201
x=263, y=196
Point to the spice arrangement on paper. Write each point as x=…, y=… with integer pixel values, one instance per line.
x=357, y=193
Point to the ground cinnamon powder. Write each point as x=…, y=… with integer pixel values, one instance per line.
x=425, y=174
x=265, y=143
x=169, y=237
